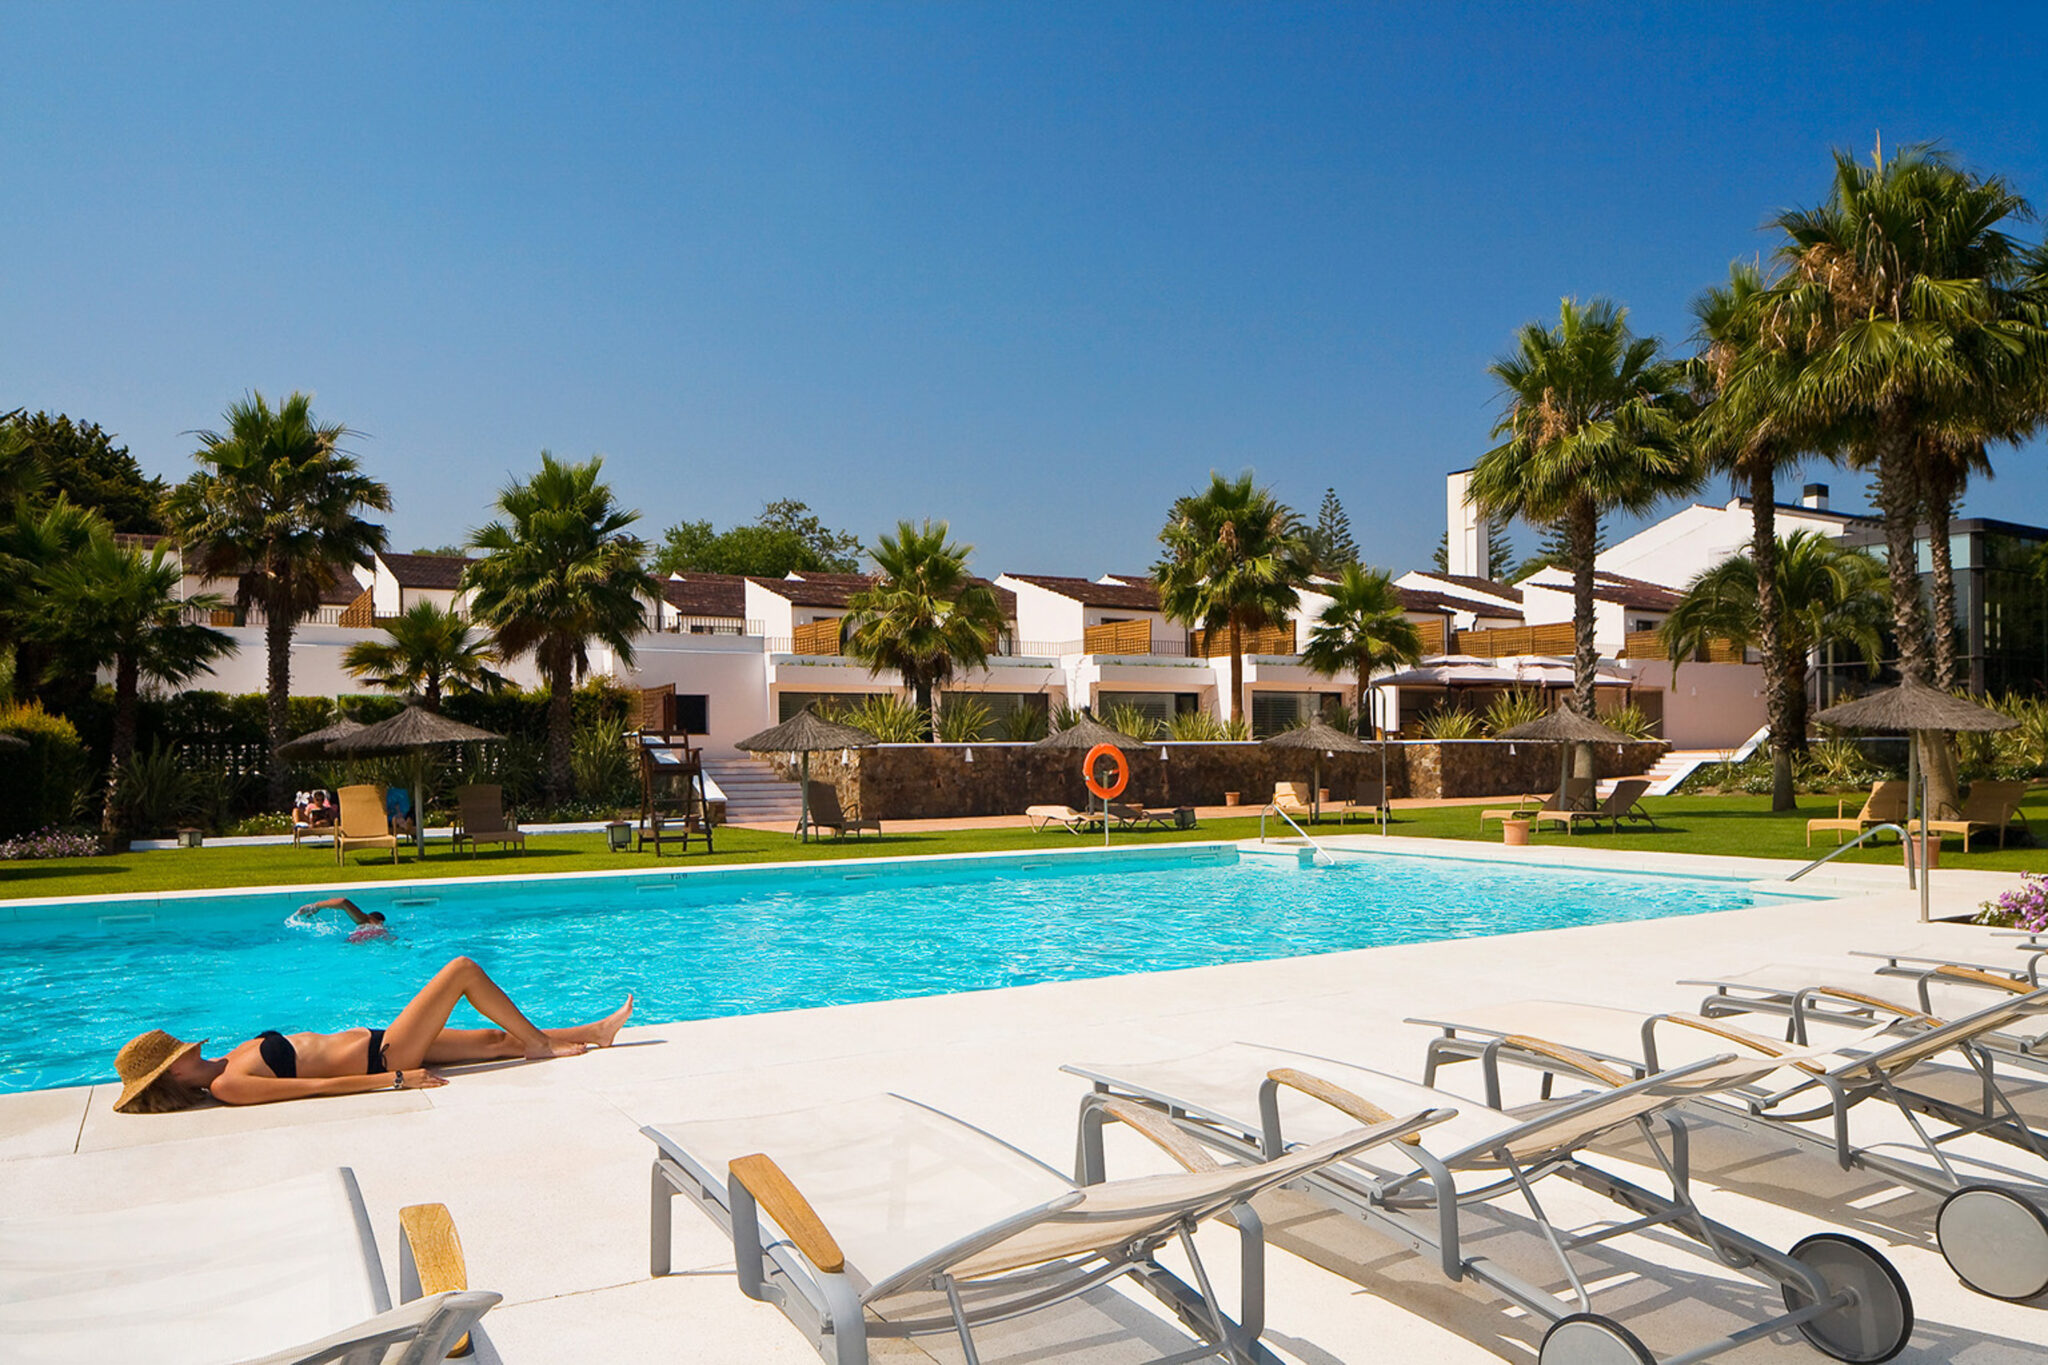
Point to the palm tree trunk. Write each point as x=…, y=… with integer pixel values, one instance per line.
x=1237, y=707
x=561, y=720
x=1898, y=497
x=1763, y=553
x=430, y=694
x=120, y=751
x=277, y=639
x=1368, y=703
x=927, y=705
x=1942, y=624
x=1795, y=694
x=1585, y=536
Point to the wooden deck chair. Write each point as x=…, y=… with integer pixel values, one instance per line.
x=826, y=814
x=363, y=823
x=1368, y=799
x=1572, y=794
x=1075, y=821
x=1886, y=805
x=1128, y=816
x=1294, y=798
x=1990, y=805
x=893, y=1219
x=480, y=818
x=1623, y=803
x=281, y=1274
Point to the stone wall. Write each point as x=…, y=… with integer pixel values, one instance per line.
x=919, y=781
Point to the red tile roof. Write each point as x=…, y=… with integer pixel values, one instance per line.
x=721, y=595
x=426, y=571
x=1089, y=594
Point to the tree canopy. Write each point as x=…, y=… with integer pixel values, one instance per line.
x=59, y=455
x=786, y=538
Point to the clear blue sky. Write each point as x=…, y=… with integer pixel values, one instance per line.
x=1035, y=269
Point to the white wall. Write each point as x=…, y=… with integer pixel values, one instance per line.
x=731, y=670
x=316, y=668
x=1042, y=615
x=1685, y=544
x=1715, y=706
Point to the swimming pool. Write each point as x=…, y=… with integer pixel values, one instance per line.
x=81, y=980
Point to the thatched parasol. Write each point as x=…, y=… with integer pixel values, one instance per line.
x=313, y=744
x=1319, y=739
x=412, y=731
x=1565, y=727
x=1083, y=735
x=1915, y=708
x=804, y=734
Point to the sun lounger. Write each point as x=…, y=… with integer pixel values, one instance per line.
x=1993, y=1223
x=1294, y=798
x=1074, y=820
x=363, y=822
x=892, y=1219
x=825, y=814
x=1145, y=817
x=1368, y=799
x=480, y=818
x=1625, y=802
x=281, y=1274
x=1571, y=794
x=1886, y=805
x=1250, y=1100
x=1990, y=805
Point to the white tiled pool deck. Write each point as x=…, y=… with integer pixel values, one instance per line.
x=546, y=1172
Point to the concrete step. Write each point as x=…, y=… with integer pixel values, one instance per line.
x=753, y=793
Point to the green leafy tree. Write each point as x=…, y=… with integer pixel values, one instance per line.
x=925, y=617
x=34, y=540
x=275, y=503
x=787, y=538
x=116, y=606
x=1233, y=557
x=426, y=649
x=559, y=571
x=1827, y=593
x=1328, y=546
x=81, y=462
x=1362, y=631
x=1592, y=426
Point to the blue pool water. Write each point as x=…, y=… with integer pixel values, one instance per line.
x=74, y=987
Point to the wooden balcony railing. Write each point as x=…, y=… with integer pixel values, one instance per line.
x=1203, y=644
x=1433, y=633
x=1648, y=644
x=1501, y=641
x=817, y=637
x=1117, y=637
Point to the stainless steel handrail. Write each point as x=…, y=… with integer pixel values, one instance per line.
x=1322, y=854
x=1900, y=830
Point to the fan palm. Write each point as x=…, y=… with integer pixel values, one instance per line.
x=559, y=570
x=1828, y=594
x=925, y=617
x=1362, y=631
x=1234, y=554
x=1593, y=425
x=426, y=648
x=34, y=540
x=275, y=504
x=116, y=605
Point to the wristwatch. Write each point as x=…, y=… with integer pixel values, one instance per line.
x=398, y=1080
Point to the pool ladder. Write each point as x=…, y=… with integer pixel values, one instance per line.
x=1322, y=855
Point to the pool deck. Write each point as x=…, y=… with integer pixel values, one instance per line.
x=545, y=1170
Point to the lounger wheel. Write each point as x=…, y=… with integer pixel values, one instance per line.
x=1872, y=1328
x=1995, y=1241
x=1589, y=1339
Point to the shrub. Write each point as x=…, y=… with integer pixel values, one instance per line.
x=1451, y=723
x=890, y=719
x=602, y=763
x=156, y=793
x=50, y=843
x=1127, y=719
x=962, y=719
x=1024, y=725
x=1195, y=726
x=1064, y=717
x=1631, y=720
x=51, y=784
x=2025, y=907
x=1517, y=707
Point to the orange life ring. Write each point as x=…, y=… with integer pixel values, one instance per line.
x=1123, y=771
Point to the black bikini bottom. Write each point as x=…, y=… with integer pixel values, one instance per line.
x=376, y=1053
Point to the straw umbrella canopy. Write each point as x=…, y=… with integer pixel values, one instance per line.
x=1565, y=727
x=804, y=734
x=1915, y=708
x=1319, y=739
x=313, y=744
x=1083, y=735
x=412, y=731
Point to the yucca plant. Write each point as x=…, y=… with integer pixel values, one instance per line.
x=1631, y=720
x=1518, y=707
x=1195, y=727
x=1128, y=719
x=1836, y=765
x=889, y=719
x=1024, y=725
x=962, y=719
x=601, y=762
x=1063, y=716
x=1453, y=722
x=1237, y=728
x=155, y=792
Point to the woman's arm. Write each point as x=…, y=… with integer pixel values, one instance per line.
x=239, y=1087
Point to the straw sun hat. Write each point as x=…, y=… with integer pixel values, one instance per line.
x=144, y=1058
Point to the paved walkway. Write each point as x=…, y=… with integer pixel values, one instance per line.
x=546, y=1173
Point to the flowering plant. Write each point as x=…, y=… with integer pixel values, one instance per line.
x=49, y=843
x=2025, y=906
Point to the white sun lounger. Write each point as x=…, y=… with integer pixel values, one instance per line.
x=1251, y=1100
x=893, y=1219
x=1993, y=1222
x=233, y=1277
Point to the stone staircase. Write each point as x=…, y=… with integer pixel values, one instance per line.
x=754, y=795
x=1677, y=764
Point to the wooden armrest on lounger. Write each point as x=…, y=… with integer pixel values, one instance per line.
x=779, y=1198
x=1978, y=977
x=1571, y=1057
x=1875, y=1003
x=435, y=1252
x=1336, y=1096
x=1769, y=1047
x=1154, y=1127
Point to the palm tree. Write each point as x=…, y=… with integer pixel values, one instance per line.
x=1362, y=631
x=33, y=541
x=275, y=504
x=116, y=605
x=925, y=617
x=426, y=649
x=1742, y=430
x=558, y=571
x=1592, y=426
x=1828, y=595
x=1234, y=554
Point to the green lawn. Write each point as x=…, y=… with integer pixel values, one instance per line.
x=1732, y=826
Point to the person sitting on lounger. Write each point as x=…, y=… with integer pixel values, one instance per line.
x=160, y=1073
x=398, y=808
x=369, y=923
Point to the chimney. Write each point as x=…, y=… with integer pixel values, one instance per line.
x=1466, y=532
x=1814, y=495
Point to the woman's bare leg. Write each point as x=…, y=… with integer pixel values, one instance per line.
x=412, y=1033
x=452, y=1046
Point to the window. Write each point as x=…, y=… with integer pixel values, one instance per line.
x=693, y=714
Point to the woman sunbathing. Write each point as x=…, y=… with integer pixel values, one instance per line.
x=159, y=1073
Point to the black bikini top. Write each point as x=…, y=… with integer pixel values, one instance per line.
x=277, y=1053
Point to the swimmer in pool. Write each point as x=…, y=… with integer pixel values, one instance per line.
x=369, y=924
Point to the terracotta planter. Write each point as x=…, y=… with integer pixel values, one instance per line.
x=1514, y=833
x=1931, y=842
x=1232, y=798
